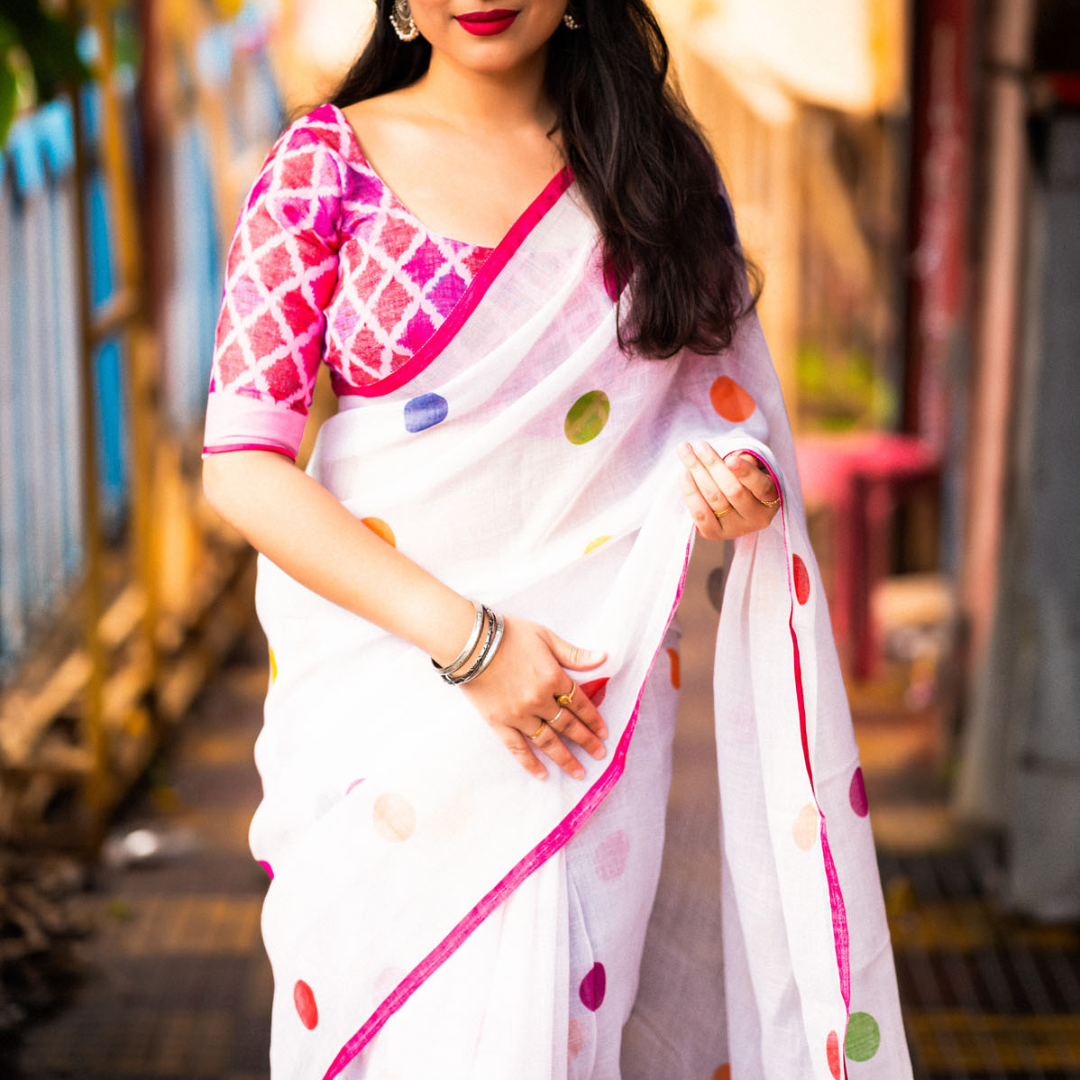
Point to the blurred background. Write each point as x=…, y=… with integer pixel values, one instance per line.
x=907, y=172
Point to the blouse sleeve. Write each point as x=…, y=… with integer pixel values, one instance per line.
x=280, y=273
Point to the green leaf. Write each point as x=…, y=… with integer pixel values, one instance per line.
x=7, y=98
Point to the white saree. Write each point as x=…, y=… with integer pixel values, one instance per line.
x=419, y=919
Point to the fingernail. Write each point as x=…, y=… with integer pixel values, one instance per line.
x=686, y=452
x=540, y=775
x=579, y=774
x=601, y=732
x=600, y=752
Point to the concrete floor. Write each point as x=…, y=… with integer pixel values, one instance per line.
x=178, y=985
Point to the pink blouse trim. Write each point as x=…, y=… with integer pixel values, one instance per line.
x=236, y=421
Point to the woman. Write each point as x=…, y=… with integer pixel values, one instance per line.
x=533, y=390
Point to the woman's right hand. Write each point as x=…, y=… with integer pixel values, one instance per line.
x=519, y=688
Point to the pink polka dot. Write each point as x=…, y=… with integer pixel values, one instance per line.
x=304, y=1000
x=832, y=1049
x=593, y=987
x=354, y=783
x=806, y=827
x=802, y=579
x=575, y=1038
x=268, y=868
x=610, y=856
x=595, y=690
x=857, y=793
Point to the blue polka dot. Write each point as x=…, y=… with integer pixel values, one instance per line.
x=425, y=411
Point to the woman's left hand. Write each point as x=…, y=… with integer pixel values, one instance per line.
x=726, y=497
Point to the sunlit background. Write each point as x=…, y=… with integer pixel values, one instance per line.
x=906, y=172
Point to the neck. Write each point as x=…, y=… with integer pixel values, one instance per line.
x=497, y=100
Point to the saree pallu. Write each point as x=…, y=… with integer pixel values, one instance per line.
x=525, y=460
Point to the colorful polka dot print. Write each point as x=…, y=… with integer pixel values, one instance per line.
x=832, y=1052
x=592, y=545
x=575, y=1038
x=802, y=579
x=381, y=530
x=730, y=400
x=863, y=1037
x=587, y=417
x=610, y=855
x=425, y=411
x=857, y=793
x=593, y=987
x=273, y=667
x=595, y=690
x=673, y=661
x=806, y=827
x=395, y=817
x=723, y=1072
x=304, y=1000
x=268, y=868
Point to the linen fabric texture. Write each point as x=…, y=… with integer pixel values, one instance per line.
x=423, y=886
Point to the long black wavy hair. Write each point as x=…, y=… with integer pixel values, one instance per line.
x=640, y=161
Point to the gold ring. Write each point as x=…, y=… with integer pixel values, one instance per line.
x=537, y=731
x=567, y=700
x=720, y=513
x=773, y=503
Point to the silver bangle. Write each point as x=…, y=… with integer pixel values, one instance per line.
x=457, y=680
x=496, y=641
x=465, y=653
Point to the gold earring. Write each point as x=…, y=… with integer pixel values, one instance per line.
x=402, y=21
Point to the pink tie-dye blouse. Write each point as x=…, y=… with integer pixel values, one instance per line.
x=327, y=264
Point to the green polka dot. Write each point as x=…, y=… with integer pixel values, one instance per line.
x=863, y=1037
x=587, y=417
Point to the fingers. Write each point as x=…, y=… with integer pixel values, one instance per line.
x=753, y=475
x=518, y=745
x=570, y=656
x=570, y=726
x=738, y=492
x=549, y=742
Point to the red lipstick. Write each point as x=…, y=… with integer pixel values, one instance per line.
x=486, y=23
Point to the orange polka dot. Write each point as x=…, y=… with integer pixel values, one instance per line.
x=802, y=579
x=381, y=530
x=806, y=827
x=673, y=656
x=723, y=1073
x=575, y=1038
x=395, y=817
x=730, y=400
x=592, y=545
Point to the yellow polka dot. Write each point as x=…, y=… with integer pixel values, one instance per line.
x=806, y=827
x=381, y=530
x=395, y=817
x=592, y=545
x=273, y=667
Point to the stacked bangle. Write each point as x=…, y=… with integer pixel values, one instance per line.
x=492, y=640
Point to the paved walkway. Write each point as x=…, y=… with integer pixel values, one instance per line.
x=178, y=985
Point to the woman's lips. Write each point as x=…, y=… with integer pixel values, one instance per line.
x=485, y=23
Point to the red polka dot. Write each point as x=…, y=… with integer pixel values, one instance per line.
x=595, y=690
x=268, y=868
x=723, y=1072
x=304, y=1000
x=730, y=400
x=673, y=656
x=832, y=1048
x=610, y=856
x=857, y=794
x=802, y=579
x=593, y=987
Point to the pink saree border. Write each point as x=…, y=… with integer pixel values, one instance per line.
x=557, y=838
x=485, y=277
x=836, y=897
